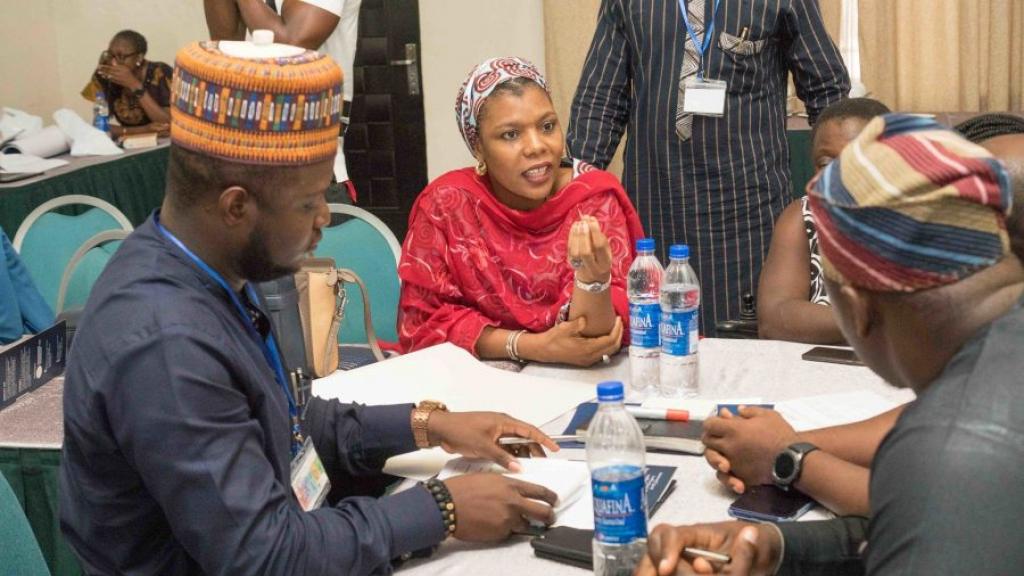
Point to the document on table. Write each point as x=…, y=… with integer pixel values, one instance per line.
x=452, y=375
x=824, y=410
x=569, y=479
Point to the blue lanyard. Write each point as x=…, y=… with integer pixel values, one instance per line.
x=268, y=346
x=709, y=33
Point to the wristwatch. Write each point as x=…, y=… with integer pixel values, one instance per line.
x=790, y=463
x=594, y=287
x=139, y=92
x=420, y=417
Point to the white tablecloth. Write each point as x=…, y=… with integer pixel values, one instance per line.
x=771, y=370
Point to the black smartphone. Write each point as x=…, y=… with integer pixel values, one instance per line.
x=770, y=503
x=834, y=355
x=567, y=545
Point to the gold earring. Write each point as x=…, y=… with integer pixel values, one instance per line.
x=481, y=168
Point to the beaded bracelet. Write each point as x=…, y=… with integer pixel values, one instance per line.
x=445, y=505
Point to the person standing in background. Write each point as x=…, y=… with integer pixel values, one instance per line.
x=701, y=87
x=330, y=26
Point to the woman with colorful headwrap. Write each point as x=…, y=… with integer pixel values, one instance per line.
x=497, y=256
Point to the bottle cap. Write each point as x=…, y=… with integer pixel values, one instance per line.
x=610, y=391
x=645, y=244
x=679, y=251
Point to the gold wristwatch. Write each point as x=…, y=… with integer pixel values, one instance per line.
x=420, y=418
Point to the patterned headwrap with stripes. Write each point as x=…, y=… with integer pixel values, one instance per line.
x=910, y=205
x=480, y=83
x=274, y=111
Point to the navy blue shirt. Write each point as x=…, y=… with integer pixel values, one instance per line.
x=176, y=448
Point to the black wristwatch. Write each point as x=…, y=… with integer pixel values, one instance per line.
x=790, y=463
x=140, y=92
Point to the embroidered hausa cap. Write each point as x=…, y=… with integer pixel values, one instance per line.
x=256, y=102
x=910, y=205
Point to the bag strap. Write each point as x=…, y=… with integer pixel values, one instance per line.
x=346, y=275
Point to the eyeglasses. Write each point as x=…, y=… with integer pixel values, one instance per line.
x=109, y=56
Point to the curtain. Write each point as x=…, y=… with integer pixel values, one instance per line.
x=944, y=55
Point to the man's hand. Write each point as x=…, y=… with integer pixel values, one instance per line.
x=742, y=449
x=566, y=344
x=476, y=434
x=119, y=74
x=754, y=549
x=489, y=507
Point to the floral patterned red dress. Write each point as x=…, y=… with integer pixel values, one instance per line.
x=469, y=261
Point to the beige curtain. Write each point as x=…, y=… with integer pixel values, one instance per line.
x=944, y=55
x=916, y=55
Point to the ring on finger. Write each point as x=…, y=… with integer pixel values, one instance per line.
x=576, y=263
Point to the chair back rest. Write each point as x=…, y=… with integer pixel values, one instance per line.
x=19, y=553
x=85, y=266
x=46, y=240
x=366, y=245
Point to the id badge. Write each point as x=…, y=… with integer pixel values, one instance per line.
x=703, y=97
x=309, y=479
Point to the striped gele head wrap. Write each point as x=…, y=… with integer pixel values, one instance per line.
x=480, y=83
x=909, y=205
x=271, y=111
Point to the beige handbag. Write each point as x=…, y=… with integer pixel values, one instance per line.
x=322, y=299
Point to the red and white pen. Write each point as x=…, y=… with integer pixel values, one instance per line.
x=661, y=414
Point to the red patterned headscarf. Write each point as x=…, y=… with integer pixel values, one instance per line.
x=479, y=85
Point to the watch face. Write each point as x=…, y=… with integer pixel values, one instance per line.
x=784, y=466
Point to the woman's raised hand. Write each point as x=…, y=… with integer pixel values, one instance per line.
x=588, y=250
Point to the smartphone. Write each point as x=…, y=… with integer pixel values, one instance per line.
x=834, y=355
x=770, y=503
x=567, y=545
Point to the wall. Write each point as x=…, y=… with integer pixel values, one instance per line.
x=53, y=45
x=457, y=35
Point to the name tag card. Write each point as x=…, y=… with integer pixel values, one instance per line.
x=703, y=97
x=309, y=479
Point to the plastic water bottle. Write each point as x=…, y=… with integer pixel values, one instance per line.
x=615, y=455
x=680, y=309
x=101, y=113
x=643, y=288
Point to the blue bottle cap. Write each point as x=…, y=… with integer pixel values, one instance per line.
x=679, y=251
x=610, y=391
x=645, y=244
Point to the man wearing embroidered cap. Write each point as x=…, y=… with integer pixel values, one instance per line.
x=912, y=228
x=185, y=451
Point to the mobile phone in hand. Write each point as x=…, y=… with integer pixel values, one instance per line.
x=768, y=503
x=834, y=355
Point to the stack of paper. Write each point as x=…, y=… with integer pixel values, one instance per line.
x=568, y=479
x=452, y=375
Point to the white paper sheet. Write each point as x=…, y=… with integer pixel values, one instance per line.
x=566, y=478
x=452, y=375
x=17, y=124
x=46, y=143
x=85, y=140
x=813, y=412
x=16, y=163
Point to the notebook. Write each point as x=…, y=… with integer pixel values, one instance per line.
x=659, y=435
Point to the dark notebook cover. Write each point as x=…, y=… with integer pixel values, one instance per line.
x=659, y=435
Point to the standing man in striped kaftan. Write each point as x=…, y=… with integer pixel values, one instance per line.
x=715, y=182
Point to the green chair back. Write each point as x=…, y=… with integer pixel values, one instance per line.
x=19, y=551
x=360, y=245
x=86, y=273
x=53, y=239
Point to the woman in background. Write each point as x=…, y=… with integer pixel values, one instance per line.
x=791, y=299
x=523, y=257
x=138, y=91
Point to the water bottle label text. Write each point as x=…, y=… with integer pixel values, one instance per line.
x=619, y=510
x=679, y=332
x=643, y=324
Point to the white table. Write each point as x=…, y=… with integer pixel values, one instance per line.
x=728, y=368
